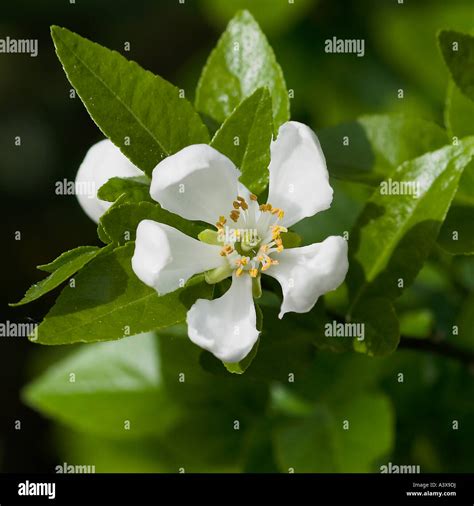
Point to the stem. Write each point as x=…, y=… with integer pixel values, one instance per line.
x=441, y=348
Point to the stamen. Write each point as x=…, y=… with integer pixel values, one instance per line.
x=226, y=250
x=253, y=273
x=243, y=203
x=253, y=197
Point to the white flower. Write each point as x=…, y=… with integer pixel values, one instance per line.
x=102, y=162
x=199, y=183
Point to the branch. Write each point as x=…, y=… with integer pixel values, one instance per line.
x=441, y=348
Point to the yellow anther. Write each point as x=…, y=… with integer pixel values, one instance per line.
x=236, y=204
x=266, y=266
x=243, y=203
x=234, y=215
x=227, y=250
x=222, y=220
x=281, y=213
x=253, y=273
x=239, y=271
x=242, y=261
x=253, y=197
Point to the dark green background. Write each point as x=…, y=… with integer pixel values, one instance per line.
x=174, y=40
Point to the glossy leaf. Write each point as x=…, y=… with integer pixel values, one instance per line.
x=458, y=52
x=135, y=189
x=120, y=222
x=61, y=269
x=101, y=387
x=67, y=257
x=458, y=113
x=109, y=302
x=370, y=148
x=245, y=138
x=347, y=438
x=141, y=113
x=457, y=233
x=395, y=233
x=242, y=62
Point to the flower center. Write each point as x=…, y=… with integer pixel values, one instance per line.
x=251, y=238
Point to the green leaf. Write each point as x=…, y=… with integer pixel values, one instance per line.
x=381, y=327
x=242, y=62
x=191, y=382
x=416, y=323
x=61, y=269
x=100, y=387
x=274, y=16
x=456, y=235
x=395, y=233
x=458, y=113
x=290, y=239
x=139, y=112
x=67, y=257
x=251, y=124
x=120, y=222
x=135, y=189
x=369, y=148
x=109, y=302
x=348, y=438
x=458, y=52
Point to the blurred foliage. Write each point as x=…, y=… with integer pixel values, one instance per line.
x=401, y=407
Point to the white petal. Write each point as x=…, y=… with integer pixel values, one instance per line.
x=227, y=326
x=308, y=272
x=165, y=258
x=198, y=183
x=299, y=180
x=102, y=162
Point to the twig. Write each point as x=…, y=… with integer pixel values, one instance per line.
x=441, y=348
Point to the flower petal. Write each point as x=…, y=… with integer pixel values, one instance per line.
x=102, y=162
x=198, y=183
x=308, y=272
x=299, y=180
x=227, y=326
x=165, y=258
